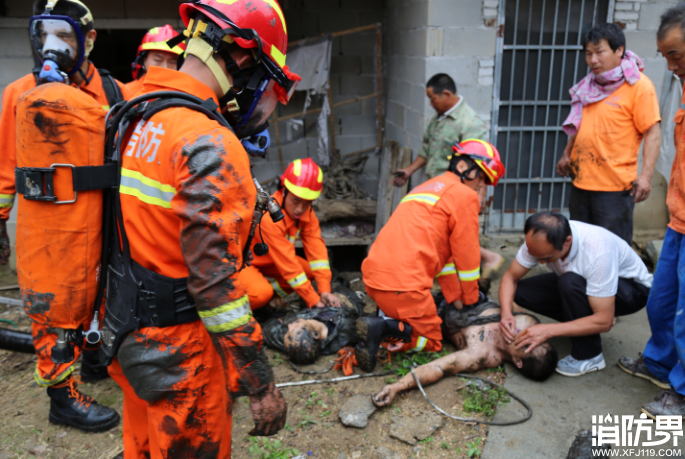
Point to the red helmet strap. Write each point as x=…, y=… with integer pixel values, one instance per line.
x=138, y=65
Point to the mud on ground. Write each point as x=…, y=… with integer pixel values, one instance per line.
x=312, y=423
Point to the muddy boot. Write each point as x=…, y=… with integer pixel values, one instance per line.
x=667, y=403
x=91, y=368
x=637, y=367
x=372, y=332
x=72, y=408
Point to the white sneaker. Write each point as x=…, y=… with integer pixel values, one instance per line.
x=568, y=366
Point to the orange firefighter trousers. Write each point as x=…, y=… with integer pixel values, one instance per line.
x=260, y=291
x=416, y=309
x=180, y=408
x=47, y=372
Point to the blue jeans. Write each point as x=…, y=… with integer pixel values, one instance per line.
x=665, y=350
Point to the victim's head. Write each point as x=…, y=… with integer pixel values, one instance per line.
x=540, y=363
x=302, y=341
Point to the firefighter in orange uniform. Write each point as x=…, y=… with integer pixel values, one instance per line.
x=153, y=51
x=68, y=405
x=432, y=234
x=187, y=199
x=300, y=185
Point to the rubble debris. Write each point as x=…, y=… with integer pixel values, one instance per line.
x=412, y=430
x=582, y=447
x=347, y=228
x=356, y=411
x=340, y=177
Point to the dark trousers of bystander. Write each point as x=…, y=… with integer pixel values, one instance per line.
x=563, y=299
x=612, y=210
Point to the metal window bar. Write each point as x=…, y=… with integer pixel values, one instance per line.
x=528, y=111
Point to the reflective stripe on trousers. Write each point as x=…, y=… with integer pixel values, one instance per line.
x=227, y=316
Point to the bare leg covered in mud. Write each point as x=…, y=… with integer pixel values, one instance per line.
x=485, y=348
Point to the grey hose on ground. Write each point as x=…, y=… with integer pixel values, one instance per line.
x=480, y=421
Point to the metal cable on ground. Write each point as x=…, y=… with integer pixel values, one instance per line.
x=311, y=372
x=491, y=423
x=334, y=380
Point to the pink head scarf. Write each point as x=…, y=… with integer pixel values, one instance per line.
x=594, y=88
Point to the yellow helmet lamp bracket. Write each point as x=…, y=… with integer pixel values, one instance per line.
x=206, y=52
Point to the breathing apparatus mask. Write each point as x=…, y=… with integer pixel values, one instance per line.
x=60, y=43
x=255, y=90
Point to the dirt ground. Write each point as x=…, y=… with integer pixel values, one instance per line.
x=313, y=426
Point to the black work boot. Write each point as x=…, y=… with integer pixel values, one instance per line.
x=72, y=408
x=372, y=332
x=91, y=368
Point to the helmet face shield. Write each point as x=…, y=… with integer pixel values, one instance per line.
x=58, y=39
x=267, y=53
x=258, y=106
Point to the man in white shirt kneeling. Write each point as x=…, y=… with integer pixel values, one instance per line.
x=595, y=277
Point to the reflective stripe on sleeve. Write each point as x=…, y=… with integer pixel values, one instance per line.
x=420, y=344
x=6, y=200
x=319, y=264
x=469, y=275
x=227, y=316
x=293, y=239
x=448, y=269
x=277, y=288
x=298, y=280
x=426, y=198
x=147, y=190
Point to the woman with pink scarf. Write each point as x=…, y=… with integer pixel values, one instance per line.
x=613, y=109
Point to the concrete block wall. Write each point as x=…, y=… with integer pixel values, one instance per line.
x=425, y=37
x=352, y=75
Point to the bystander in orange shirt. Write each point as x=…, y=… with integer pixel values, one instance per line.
x=604, y=156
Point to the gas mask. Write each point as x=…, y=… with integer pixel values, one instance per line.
x=60, y=43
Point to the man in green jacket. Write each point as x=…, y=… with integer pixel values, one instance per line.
x=455, y=121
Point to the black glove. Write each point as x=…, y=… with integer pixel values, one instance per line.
x=4, y=243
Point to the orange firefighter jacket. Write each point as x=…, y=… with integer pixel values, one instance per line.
x=8, y=145
x=281, y=238
x=187, y=199
x=135, y=86
x=432, y=233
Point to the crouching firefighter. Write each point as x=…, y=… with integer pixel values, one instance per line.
x=300, y=185
x=179, y=333
x=432, y=234
x=53, y=134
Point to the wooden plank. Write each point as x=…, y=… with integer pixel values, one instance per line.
x=317, y=110
x=278, y=142
x=379, y=85
x=403, y=162
x=341, y=241
x=388, y=166
x=331, y=116
x=334, y=34
x=331, y=209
